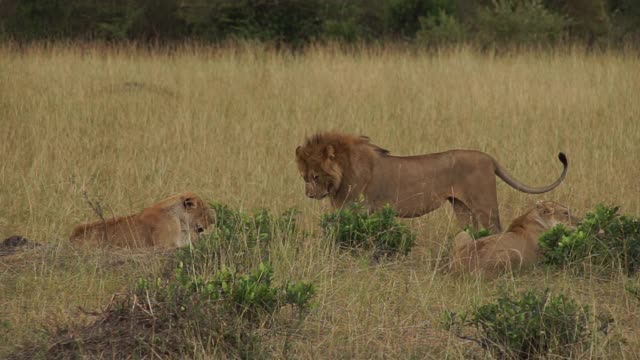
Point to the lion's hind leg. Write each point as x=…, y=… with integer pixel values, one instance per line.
x=463, y=213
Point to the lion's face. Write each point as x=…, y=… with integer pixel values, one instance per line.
x=554, y=213
x=197, y=213
x=321, y=173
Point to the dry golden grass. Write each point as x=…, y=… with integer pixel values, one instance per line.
x=132, y=127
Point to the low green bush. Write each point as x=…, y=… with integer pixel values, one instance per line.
x=259, y=227
x=252, y=293
x=237, y=238
x=226, y=306
x=354, y=228
x=605, y=240
x=531, y=324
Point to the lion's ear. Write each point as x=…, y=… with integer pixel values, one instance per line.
x=329, y=152
x=188, y=203
x=298, y=151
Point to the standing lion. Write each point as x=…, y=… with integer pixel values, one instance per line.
x=344, y=167
x=172, y=222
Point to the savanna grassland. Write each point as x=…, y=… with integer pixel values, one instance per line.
x=130, y=127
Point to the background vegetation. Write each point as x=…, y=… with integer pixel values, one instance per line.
x=294, y=23
x=132, y=126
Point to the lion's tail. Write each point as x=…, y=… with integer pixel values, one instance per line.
x=502, y=173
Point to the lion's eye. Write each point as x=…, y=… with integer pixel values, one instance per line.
x=316, y=177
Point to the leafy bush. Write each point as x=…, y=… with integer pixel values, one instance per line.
x=250, y=293
x=441, y=30
x=259, y=227
x=237, y=238
x=354, y=228
x=521, y=22
x=607, y=239
x=244, y=300
x=533, y=324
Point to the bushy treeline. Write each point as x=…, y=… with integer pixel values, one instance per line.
x=298, y=22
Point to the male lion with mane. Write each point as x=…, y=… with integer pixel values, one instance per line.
x=516, y=248
x=344, y=167
x=172, y=222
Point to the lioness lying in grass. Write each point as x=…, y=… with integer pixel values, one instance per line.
x=513, y=249
x=173, y=222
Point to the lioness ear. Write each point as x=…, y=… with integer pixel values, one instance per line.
x=188, y=203
x=329, y=152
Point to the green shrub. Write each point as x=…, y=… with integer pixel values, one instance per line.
x=440, y=30
x=533, y=324
x=237, y=238
x=605, y=238
x=251, y=293
x=259, y=227
x=354, y=228
x=521, y=22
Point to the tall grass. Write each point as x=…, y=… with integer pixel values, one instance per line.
x=131, y=127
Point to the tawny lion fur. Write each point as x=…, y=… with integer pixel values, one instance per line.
x=172, y=222
x=516, y=248
x=344, y=167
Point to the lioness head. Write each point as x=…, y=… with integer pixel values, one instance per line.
x=318, y=166
x=553, y=213
x=196, y=212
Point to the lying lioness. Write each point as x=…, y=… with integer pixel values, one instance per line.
x=513, y=249
x=173, y=222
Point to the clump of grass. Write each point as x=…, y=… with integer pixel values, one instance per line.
x=607, y=239
x=531, y=324
x=353, y=228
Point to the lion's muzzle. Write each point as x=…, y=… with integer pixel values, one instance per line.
x=314, y=192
